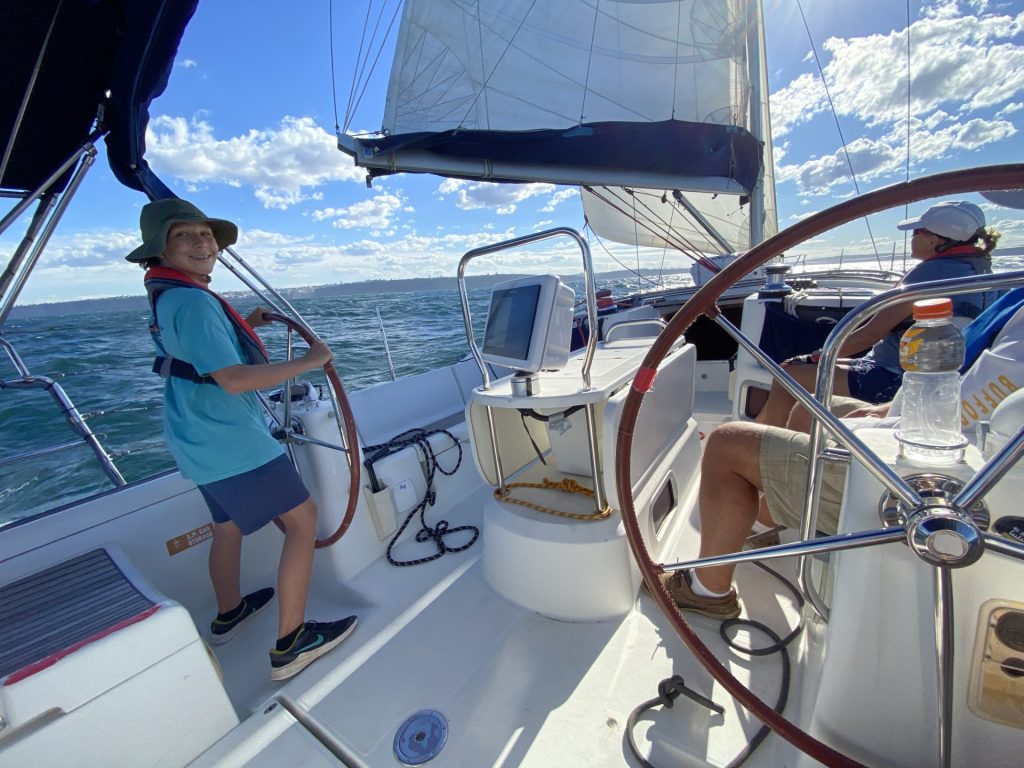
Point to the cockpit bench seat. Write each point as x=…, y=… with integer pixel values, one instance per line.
x=92, y=656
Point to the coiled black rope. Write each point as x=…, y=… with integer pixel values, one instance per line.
x=672, y=687
x=437, y=533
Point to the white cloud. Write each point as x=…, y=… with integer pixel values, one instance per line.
x=285, y=164
x=186, y=63
x=377, y=214
x=963, y=68
x=502, y=198
x=569, y=193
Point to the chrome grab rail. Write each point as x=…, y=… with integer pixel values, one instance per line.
x=591, y=298
x=44, y=221
x=74, y=419
x=627, y=323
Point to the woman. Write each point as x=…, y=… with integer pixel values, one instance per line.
x=950, y=240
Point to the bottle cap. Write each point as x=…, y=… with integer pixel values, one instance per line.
x=933, y=309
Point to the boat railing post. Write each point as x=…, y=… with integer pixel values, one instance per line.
x=74, y=418
x=89, y=157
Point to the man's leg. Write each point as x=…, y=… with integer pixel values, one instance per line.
x=225, y=565
x=729, y=485
x=296, y=566
x=780, y=404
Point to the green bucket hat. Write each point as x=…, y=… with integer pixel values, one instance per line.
x=156, y=220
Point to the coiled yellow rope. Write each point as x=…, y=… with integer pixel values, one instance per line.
x=567, y=485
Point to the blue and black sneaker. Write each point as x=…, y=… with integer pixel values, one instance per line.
x=314, y=640
x=222, y=630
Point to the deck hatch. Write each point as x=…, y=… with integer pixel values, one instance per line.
x=53, y=610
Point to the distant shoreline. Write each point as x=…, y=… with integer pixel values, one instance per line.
x=406, y=285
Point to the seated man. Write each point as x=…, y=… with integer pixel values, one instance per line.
x=743, y=458
x=950, y=240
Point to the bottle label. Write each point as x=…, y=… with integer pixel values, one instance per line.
x=910, y=344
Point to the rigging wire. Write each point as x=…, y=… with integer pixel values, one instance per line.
x=334, y=85
x=680, y=243
x=376, y=59
x=590, y=60
x=906, y=206
x=590, y=231
x=839, y=128
x=355, y=69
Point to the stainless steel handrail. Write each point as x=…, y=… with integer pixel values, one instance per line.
x=591, y=298
x=71, y=414
x=823, y=393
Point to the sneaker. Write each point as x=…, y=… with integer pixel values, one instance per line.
x=315, y=639
x=678, y=585
x=222, y=631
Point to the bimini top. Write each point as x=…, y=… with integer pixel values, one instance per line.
x=75, y=67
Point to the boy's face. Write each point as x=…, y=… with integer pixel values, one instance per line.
x=191, y=248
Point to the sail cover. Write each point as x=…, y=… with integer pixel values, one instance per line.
x=68, y=63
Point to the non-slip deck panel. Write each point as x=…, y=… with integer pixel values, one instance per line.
x=51, y=611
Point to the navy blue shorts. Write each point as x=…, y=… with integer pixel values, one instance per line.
x=254, y=498
x=870, y=382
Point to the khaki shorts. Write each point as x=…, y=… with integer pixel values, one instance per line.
x=783, y=465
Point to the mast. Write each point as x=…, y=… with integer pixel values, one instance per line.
x=760, y=126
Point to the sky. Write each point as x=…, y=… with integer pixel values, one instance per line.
x=245, y=130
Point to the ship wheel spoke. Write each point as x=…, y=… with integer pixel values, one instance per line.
x=842, y=541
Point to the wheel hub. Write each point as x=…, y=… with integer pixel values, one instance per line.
x=938, y=531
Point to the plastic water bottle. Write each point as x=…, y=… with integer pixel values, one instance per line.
x=931, y=354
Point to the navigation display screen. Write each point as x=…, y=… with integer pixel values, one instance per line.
x=510, y=321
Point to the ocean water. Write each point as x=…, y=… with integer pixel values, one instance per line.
x=103, y=363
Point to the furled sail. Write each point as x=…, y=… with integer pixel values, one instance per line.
x=647, y=94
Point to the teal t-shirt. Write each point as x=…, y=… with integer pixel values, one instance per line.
x=211, y=434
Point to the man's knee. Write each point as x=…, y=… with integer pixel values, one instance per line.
x=734, y=447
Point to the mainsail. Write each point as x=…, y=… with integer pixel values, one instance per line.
x=637, y=94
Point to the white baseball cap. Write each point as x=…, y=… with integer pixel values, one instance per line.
x=956, y=220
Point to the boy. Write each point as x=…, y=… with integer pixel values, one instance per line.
x=215, y=430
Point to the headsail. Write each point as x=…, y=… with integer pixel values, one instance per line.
x=650, y=93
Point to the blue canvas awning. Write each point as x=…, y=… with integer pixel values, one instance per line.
x=61, y=60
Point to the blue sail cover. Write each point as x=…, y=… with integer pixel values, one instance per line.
x=669, y=148
x=61, y=60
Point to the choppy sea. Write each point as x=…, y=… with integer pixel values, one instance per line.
x=103, y=363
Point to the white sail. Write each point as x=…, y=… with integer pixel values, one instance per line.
x=646, y=94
